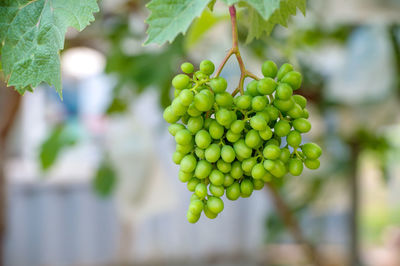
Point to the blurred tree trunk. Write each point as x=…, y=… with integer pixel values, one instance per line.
x=9, y=105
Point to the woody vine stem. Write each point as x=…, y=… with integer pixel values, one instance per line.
x=280, y=205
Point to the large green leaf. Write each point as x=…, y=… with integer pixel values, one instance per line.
x=168, y=18
x=32, y=34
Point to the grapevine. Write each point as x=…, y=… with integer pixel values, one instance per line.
x=229, y=144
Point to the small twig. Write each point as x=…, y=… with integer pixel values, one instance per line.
x=221, y=66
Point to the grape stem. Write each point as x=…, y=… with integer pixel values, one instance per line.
x=244, y=73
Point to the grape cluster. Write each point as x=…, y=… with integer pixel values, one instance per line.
x=232, y=145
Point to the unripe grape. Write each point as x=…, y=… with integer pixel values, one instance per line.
x=294, y=138
x=266, y=134
x=223, y=166
x=251, y=88
x=174, y=128
x=267, y=177
x=217, y=191
x=170, y=116
x=224, y=99
x=201, y=190
x=258, y=184
x=218, y=84
x=188, y=163
x=199, y=152
x=209, y=214
x=258, y=103
x=203, y=169
x=192, y=110
x=228, y=180
x=243, y=102
x=200, y=76
x=184, y=149
x=192, y=183
x=266, y=86
x=186, y=97
x=176, y=93
x=180, y=81
x=269, y=165
x=192, y=218
x=183, y=137
x=284, y=105
x=312, y=163
x=264, y=115
x=233, y=191
x=223, y=117
x=284, y=91
x=177, y=157
x=184, y=177
x=208, y=122
x=252, y=139
x=195, y=124
x=213, y=153
x=285, y=155
x=300, y=100
x=272, y=112
x=271, y=152
x=237, y=126
x=294, y=79
x=305, y=113
x=194, y=197
x=246, y=188
x=232, y=137
x=236, y=171
x=217, y=177
x=214, y=204
x=207, y=67
x=202, y=102
x=273, y=141
x=248, y=164
x=241, y=149
x=196, y=206
x=311, y=150
x=295, y=166
x=257, y=122
x=185, y=119
x=216, y=130
x=228, y=153
x=279, y=169
x=187, y=68
x=202, y=139
x=302, y=125
x=258, y=171
x=285, y=68
x=282, y=128
x=269, y=69
x=296, y=111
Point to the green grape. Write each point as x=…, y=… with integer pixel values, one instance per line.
x=312, y=163
x=228, y=153
x=273, y=141
x=194, y=197
x=184, y=177
x=293, y=78
x=284, y=105
x=202, y=139
x=269, y=69
x=305, y=113
x=183, y=137
x=215, y=204
x=279, y=169
x=252, y=139
x=233, y=191
x=170, y=116
x=217, y=191
x=284, y=91
x=180, y=81
x=302, y=125
x=258, y=103
x=257, y=122
x=223, y=166
x=196, y=206
x=186, y=97
x=300, y=100
x=258, y=171
x=224, y=99
x=203, y=169
x=201, y=190
x=187, y=68
x=266, y=86
x=202, y=102
x=269, y=165
x=266, y=134
x=258, y=184
x=184, y=149
x=216, y=130
x=243, y=102
x=223, y=117
x=213, y=153
x=296, y=111
x=285, y=68
x=218, y=85
x=232, y=137
x=272, y=112
x=195, y=124
x=200, y=76
x=282, y=128
x=188, y=163
x=271, y=152
x=264, y=115
x=285, y=155
x=199, y=153
x=177, y=157
x=311, y=150
x=174, y=128
x=237, y=126
x=176, y=93
x=228, y=180
x=267, y=177
x=192, y=218
x=192, y=110
x=185, y=119
x=217, y=177
x=209, y=214
x=236, y=170
x=294, y=138
x=246, y=188
x=241, y=149
x=251, y=88
x=295, y=166
x=192, y=183
x=207, y=67
x=248, y=164
x=208, y=122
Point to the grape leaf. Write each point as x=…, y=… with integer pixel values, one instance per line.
x=168, y=18
x=32, y=33
x=104, y=180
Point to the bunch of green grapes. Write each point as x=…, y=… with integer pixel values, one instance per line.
x=233, y=145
